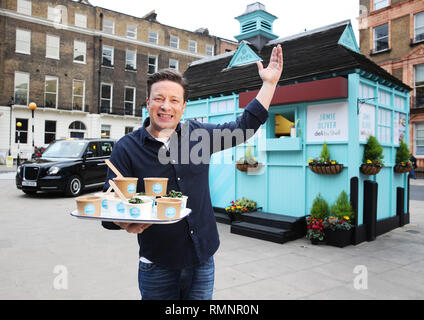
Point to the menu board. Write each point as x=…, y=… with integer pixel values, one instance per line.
x=327, y=122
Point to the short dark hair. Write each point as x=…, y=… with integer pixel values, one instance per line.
x=167, y=74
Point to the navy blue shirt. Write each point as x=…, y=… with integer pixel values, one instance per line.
x=195, y=238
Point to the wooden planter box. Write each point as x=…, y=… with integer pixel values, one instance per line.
x=326, y=169
x=248, y=167
x=370, y=169
x=402, y=169
x=339, y=238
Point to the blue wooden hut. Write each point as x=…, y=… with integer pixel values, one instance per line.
x=335, y=95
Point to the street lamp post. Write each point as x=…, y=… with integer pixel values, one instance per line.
x=32, y=106
x=18, y=159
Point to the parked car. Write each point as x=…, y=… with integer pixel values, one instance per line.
x=69, y=166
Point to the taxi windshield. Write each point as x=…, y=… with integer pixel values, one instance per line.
x=65, y=149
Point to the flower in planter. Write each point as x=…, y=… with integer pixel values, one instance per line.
x=319, y=211
x=248, y=158
x=241, y=206
x=323, y=164
x=403, y=162
x=373, y=153
x=336, y=223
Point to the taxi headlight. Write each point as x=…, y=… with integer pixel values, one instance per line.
x=53, y=171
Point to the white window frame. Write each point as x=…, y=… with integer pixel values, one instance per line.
x=153, y=37
x=27, y=76
x=415, y=81
x=80, y=45
x=51, y=78
x=133, y=62
x=132, y=34
x=155, y=65
x=24, y=7
x=74, y=95
x=380, y=4
x=375, y=38
x=192, y=43
x=174, y=42
x=105, y=127
x=209, y=50
x=110, y=29
x=418, y=126
x=128, y=101
x=80, y=20
x=54, y=14
x=111, y=95
x=177, y=63
x=421, y=27
x=112, y=57
x=23, y=41
x=52, y=42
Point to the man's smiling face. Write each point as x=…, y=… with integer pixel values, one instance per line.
x=166, y=106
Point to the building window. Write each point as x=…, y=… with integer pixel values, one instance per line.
x=80, y=20
x=77, y=129
x=380, y=4
x=381, y=38
x=209, y=50
x=152, y=64
x=174, y=42
x=173, y=64
x=153, y=37
x=419, y=27
x=21, y=133
x=419, y=86
x=78, y=95
x=131, y=60
x=106, y=98
x=129, y=101
x=108, y=26
x=107, y=56
x=21, y=88
x=23, y=41
x=80, y=48
x=129, y=130
x=50, y=92
x=105, y=131
x=56, y=14
x=192, y=46
x=52, y=47
x=24, y=6
x=49, y=131
x=131, y=31
x=419, y=138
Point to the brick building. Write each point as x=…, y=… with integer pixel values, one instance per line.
x=85, y=67
x=392, y=35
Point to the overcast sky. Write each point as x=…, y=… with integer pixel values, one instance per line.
x=218, y=15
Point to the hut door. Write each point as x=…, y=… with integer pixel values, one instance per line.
x=222, y=171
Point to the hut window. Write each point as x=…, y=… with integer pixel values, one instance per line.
x=384, y=125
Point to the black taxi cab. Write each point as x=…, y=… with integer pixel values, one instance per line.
x=69, y=166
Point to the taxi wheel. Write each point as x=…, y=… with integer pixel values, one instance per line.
x=74, y=186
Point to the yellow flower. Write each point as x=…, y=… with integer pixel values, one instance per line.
x=333, y=162
x=369, y=161
x=346, y=218
x=238, y=207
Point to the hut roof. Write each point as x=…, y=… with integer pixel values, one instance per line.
x=310, y=55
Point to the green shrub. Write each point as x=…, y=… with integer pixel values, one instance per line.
x=325, y=154
x=402, y=153
x=373, y=151
x=319, y=208
x=342, y=207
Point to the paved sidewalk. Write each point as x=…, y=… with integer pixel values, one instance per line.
x=41, y=244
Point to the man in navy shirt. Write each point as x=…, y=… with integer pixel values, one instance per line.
x=176, y=260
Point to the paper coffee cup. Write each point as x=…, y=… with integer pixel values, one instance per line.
x=155, y=186
x=89, y=206
x=168, y=208
x=128, y=186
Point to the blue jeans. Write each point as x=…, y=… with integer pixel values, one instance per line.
x=192, y=283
